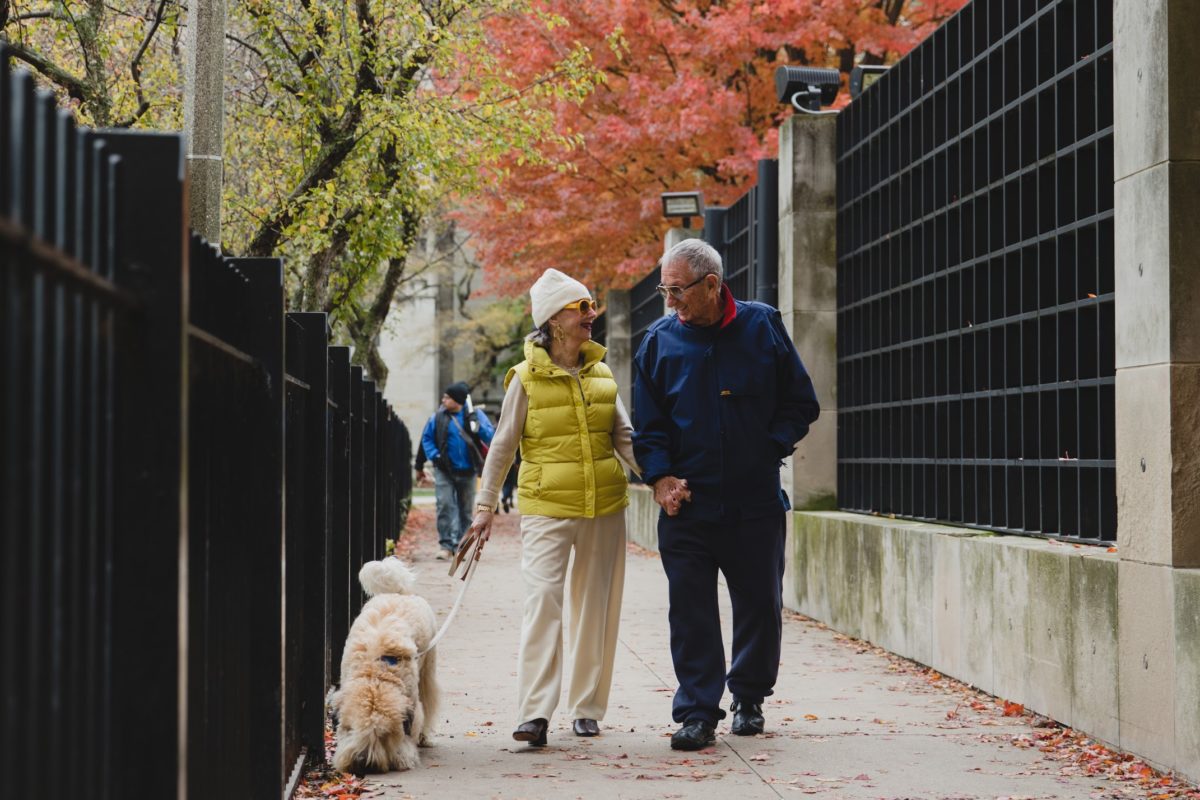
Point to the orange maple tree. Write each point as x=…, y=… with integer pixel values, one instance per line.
x=687, y=102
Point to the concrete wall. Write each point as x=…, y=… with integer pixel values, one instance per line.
x=1032, y=621
x=1044, y=624
x=641, y=517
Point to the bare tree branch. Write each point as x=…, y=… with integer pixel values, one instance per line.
x=74, y=86
x=135, y=67
x=48, y=13
x=243, y=43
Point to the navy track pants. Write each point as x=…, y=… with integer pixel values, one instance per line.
x=749, y=553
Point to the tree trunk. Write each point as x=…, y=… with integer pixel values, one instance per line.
x=365, y=325
x=87, y=28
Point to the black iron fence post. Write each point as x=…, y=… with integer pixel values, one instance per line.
x=308, y=526
x=147, y=438
x=266, y=760
x=149, y=533
x=357, y=482
x=370, y=441
x=340, y=516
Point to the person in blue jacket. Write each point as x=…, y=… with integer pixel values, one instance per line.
x=720, y=397
x=452, y=441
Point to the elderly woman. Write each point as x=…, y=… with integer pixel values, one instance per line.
x=561, y=407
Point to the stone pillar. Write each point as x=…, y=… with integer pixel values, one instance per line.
x=203, y=115
x=676, y=235
x=1157, y=310
x=808, y=294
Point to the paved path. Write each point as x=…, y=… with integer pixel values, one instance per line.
x=846, y=722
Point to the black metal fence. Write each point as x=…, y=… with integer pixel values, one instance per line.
x=600, y=329
x=746, y=234
x=645, y=306
x=189, y=481
x=975, y=276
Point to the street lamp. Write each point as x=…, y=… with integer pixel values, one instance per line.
x=807, y=88
x=683, y=204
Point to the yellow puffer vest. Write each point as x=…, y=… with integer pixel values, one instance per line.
x=568, y=468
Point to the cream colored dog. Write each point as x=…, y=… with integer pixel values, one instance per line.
x=388, y=699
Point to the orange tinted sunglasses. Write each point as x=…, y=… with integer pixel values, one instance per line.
x=583, y=306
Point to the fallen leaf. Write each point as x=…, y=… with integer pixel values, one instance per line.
x=1013, y=709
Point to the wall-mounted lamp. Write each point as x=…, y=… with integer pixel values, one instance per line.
x=862, y=76
x=807, y=88
x=683, y=204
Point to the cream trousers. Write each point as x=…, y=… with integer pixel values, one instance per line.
x=594, y=613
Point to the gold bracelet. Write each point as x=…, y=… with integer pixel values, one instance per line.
x=481, y=507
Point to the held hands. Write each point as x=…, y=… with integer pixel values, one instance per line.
x=671, y=493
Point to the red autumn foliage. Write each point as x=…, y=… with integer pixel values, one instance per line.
x=688, y=104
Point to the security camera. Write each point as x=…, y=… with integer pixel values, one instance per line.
x=807, y=88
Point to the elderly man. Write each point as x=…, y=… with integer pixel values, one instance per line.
x=451, y=441
x=720, y=397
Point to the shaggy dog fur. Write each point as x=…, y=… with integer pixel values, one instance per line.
x=388, y=699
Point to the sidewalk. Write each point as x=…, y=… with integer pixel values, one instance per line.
x=846, y=720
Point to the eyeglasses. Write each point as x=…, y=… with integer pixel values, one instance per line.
x=677, y=291
x=583, y=306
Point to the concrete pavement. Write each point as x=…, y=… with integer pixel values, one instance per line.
x=847, y=721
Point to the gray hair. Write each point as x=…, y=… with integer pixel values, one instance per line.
x=701, y=258
x=541, y=337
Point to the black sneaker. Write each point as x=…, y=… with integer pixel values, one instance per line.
x=696, y=734
x=747, y=718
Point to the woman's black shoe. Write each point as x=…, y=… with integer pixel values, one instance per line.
x=586, y=727
x=533, y=732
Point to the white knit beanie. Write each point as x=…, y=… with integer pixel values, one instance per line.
x=551, y=292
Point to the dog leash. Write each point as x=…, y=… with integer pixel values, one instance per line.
x=469, y=552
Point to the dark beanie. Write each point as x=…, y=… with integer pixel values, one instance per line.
x=458, y=392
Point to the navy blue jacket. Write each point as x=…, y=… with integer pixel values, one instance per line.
x=721, y=406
